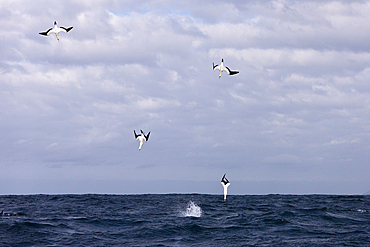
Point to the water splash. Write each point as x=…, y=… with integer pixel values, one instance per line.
x=192, y=210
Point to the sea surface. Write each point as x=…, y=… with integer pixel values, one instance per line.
x=184, y=220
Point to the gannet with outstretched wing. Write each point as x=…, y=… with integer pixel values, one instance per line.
x=56, y=30
x=222, y=68
x=225, y=183
x=141, y=137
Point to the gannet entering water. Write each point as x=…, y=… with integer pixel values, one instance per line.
x=225, y=183
x=141, y=137
x=224, y=68
x=56, y=30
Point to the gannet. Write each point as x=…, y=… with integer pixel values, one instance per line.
x=223, y=68
x=56, y=30
x=225, y=183
x=141, y=137
x=9, y=214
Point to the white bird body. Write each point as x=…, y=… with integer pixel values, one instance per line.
x=56, y=30
x=225, y=189
x=225, y=183
x=141, y=137
x=222, y=68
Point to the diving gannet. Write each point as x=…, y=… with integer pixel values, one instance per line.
x=222, y=68
x=225, y=183
x=56, y=30
x=141, y=137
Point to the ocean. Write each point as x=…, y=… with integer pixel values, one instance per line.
x=184, y=220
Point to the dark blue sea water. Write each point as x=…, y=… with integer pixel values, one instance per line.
x=184, y=220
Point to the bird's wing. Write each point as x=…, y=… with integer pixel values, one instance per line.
x=147, y=137
x=230, y=72
x=66, y=30
x=136, y=135
x=216, y=67
x=46, y=33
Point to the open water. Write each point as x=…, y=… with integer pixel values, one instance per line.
x=184, y=220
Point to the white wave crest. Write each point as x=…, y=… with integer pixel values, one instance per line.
x=192, y=210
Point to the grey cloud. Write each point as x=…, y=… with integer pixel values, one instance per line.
x=297, y=111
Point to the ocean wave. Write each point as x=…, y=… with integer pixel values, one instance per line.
x=198, y=220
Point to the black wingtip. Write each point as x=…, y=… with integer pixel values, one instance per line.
x=46, y=32
x=147, y=136
x=224, y=179
x=231, y=72
x=69, y=29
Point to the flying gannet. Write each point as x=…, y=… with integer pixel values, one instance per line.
x=222, y=68
x=141, y=137
x=225, y=183
x=56, y=30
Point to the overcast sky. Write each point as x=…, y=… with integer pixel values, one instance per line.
x=296, y=119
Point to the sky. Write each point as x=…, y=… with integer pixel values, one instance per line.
x=295, y=120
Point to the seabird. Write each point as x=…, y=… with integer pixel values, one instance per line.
x=141, y=137
x=9, y=214
x=224, y=68
x=225, y=183
x=56, y=30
